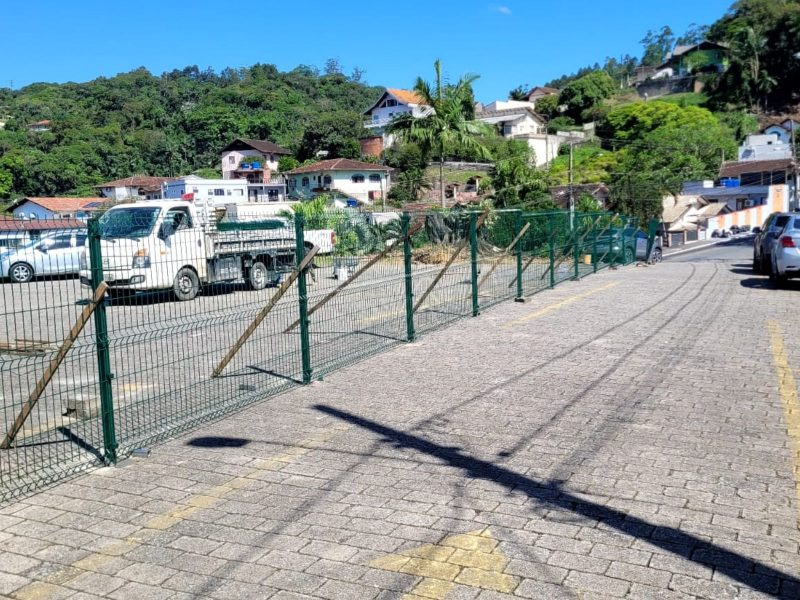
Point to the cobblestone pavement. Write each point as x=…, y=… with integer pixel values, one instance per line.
x=632, y=435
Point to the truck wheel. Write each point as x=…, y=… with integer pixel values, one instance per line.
x=187, y=284
x=656, y=256
x=628, y=256
x=20, y=273
x=257, y=278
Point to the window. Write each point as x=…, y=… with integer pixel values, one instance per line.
x=219, y=192
x=375, y=178
x=391, y=102
x=327, y=180
x=305, y=182
x=238, y=192
x=796, y=223
x=59, y=242
x=231, y=159
x=357, y=178
x=180, y=217
x=80, y=241
x=210, y=192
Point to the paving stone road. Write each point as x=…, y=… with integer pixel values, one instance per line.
x=632, y=435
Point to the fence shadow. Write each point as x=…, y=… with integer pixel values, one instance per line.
x=755, y=575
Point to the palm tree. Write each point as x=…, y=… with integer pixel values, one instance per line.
x=446, y=123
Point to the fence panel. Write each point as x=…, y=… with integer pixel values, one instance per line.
x=201, y=318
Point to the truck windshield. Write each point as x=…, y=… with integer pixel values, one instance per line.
x=134, y=222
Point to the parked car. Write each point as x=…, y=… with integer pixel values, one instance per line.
x=52, y=254
x=786, y=252
x=716, y=233
x=635, y=246
x=735, y=229
x=744, y=228
x=765, y=239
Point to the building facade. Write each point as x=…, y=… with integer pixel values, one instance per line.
x=138, y=186
x=253, y=160
x=360, y=181
x=31, y=208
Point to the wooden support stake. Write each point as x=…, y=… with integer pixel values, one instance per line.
x=356, y=275
x=508, y=249
x=51, y=369
x=461, y=245
x=580, y=241
x=273, y=301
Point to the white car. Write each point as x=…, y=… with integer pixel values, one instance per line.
x=52, y=254
x=786, y=252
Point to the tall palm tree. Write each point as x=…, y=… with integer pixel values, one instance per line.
x=446, y=122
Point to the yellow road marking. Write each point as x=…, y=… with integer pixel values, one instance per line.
x=557, y=305
x=43, y=590
x=787, y=388
x=472, y=559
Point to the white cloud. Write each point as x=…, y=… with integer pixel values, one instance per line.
x=503, y=10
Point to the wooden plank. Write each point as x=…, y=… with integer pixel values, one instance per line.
x=503, y=255
x=357, y=274
x=273, y=301
x=51, y=369
x=450, y=261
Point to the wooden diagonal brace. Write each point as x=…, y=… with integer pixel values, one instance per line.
x=273, y=301
x=505, y=253
x=462, y=244
x=356, y=275
x=51, y=369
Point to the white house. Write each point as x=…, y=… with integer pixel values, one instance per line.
x=138, y=186
x=40, y=126
x=54, y=208
x=216, y=192
x=764, y=147
x=364, y=182
x=517, y=120
x=783, y=130
x=253, y=160
x=393, y=103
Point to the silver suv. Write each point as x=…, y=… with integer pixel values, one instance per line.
x=52, y=254
x=785, y=252
x=765, y=240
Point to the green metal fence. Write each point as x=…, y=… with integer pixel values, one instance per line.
x=177, y=317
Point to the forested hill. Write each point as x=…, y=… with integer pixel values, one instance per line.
x=170, y=124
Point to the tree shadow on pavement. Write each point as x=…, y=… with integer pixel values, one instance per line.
x=746, y=571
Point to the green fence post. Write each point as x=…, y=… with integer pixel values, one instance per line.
x=411, y=334
x=576, y=251
x=473, y=258
x=652, y=230
x=101, y=347
x=518, y=227
x=594, y=246
x=302, y=294
x=551, y=235
x=625, y=261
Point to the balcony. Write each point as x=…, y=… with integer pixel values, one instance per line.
x=372, y=124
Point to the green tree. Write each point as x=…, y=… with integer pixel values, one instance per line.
x=336, y=133
x=447, y=122
x=516, y=182
x=657, y=44
x=547, y=106
x=586, y=93
x=519, y=93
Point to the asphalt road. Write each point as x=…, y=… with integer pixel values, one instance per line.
x=739, y=248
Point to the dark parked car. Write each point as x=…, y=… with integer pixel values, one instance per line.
x=635, y=246
x=765, y=240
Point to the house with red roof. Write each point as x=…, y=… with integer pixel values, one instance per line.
x=360, y=181
x=54, y=208
x=137, y=186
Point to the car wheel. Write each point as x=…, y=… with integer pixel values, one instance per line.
x=257, y=277
x=20, y=273
x=628, y=256
x=186, y=285
x=656, y=256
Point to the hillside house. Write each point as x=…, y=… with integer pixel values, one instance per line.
x=783, y=130
x=684, y=61
x=253, y=160
x=363, y=182
x=541, y=92
x=393, y=103
x=54, y=208
x=518, y=120
x=138, y=186
x=40, y=126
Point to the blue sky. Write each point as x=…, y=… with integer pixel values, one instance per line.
x=508, y=42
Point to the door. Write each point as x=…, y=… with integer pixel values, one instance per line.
x=54, y=255
x=185, y=242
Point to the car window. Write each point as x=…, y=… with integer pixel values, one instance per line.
x=80, y=241
x=180, y=218
x=781, y=221
x=58, y=243
x=796, y=224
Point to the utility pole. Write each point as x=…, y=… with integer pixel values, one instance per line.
x=571, y=194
